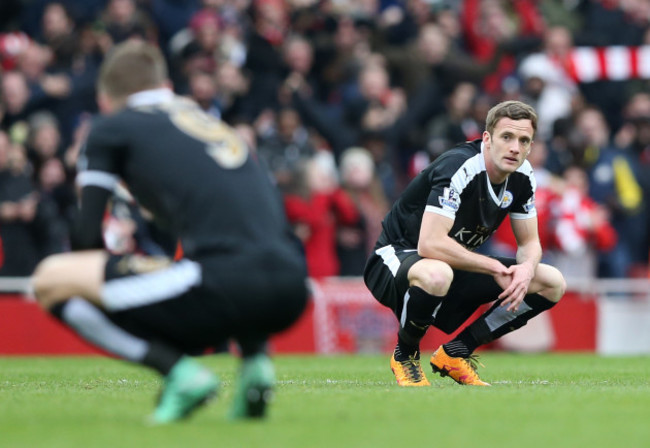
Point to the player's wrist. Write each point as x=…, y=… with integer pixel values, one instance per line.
x=529, y=266
x=495, y=267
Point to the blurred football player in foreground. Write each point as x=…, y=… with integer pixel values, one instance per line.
x=243, y=275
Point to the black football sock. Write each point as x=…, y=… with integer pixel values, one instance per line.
x=161, y=357
x=252, y=346
x=414, y=322
x=95, y=327
x=404, y=351
x=494, y=323
x=459, y=347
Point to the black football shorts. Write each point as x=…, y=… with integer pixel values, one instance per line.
x=192, y=305
x=386, y=276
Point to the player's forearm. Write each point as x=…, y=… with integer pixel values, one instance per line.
x=455, y=255
x=529, y=254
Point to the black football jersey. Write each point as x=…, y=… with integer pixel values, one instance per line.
x=456, y=185
x=191, y=171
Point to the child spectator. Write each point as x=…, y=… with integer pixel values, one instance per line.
x=581, y=228
x=317, y=211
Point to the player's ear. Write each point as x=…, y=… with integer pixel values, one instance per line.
x=105, y=103
x=486, y=138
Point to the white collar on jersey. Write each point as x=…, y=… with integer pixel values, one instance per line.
x=150, y=97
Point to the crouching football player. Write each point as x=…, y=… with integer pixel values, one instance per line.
x=424, y=267
x=242, y=275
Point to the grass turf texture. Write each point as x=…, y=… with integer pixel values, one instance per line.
x=563, y=400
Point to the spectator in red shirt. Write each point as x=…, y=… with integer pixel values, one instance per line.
x=581, y=227
x=486, y=23
x=316, y=210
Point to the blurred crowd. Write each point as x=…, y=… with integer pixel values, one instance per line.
x=344, y=101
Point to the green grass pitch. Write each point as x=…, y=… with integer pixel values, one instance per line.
x=550, y=400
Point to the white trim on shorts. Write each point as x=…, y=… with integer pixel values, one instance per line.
x=387, y=253
x=145, y=289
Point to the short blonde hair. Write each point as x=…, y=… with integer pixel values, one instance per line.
x=130, y=67
x=515, y=110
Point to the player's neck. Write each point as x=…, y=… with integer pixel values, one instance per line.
x=496, y=176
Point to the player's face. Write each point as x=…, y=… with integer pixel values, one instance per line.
x=507, y=148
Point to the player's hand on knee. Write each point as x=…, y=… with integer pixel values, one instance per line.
x=515, y=292
x=503, y=280
x=502, y=275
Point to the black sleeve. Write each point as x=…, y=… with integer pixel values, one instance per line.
x=103, y=149
x=444, y=197
x=87, y=228
x=524, y=203
x=99, y=167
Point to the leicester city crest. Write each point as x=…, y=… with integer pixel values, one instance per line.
x=507, y=199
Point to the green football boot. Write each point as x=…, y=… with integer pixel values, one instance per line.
x=255, y=388
x=187, y=386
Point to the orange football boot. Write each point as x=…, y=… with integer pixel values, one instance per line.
x=462, y=370
x=409, y=372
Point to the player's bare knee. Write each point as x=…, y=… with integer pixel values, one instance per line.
x=39, y=280
x=560, y=289
x=436, y=281
x=44, y=283
x=555, y=285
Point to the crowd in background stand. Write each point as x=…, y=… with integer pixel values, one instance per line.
x=344, y=101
